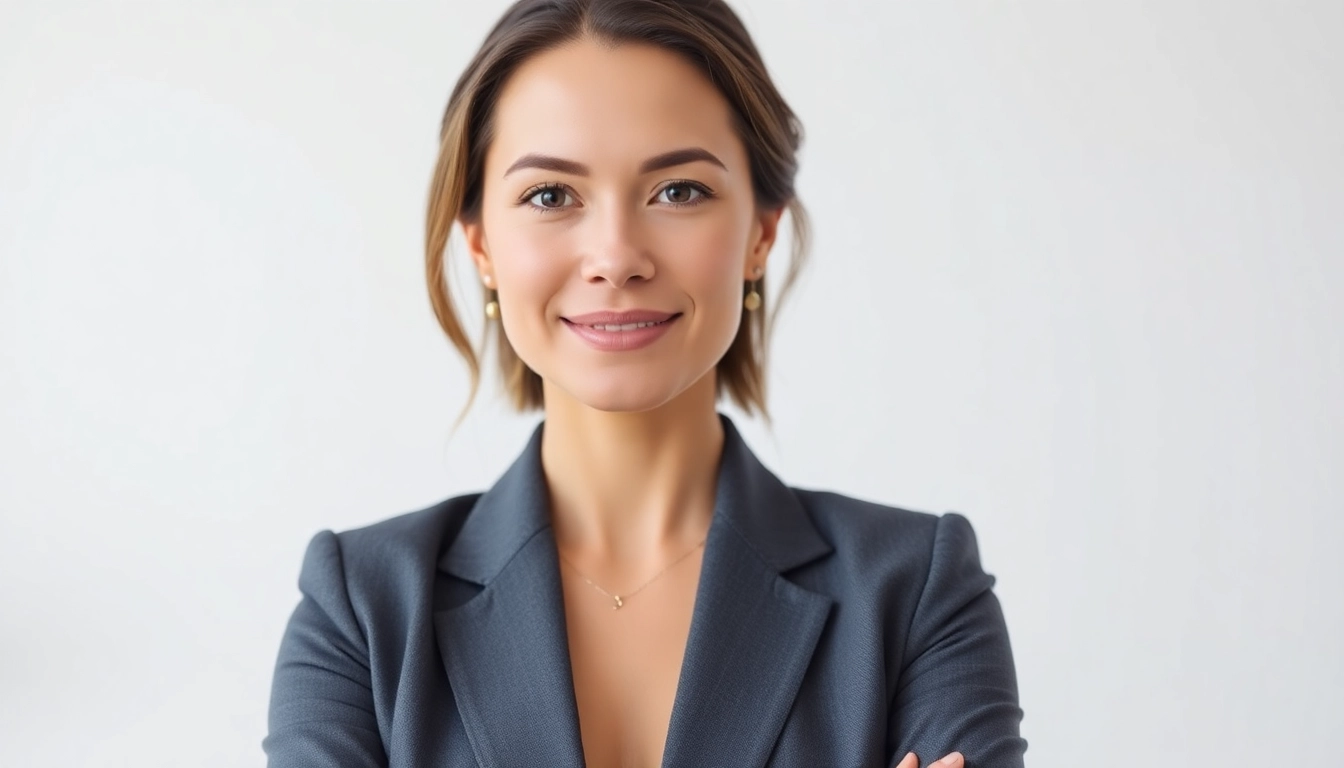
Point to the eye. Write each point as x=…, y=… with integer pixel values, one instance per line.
x=547, y=197
x=682, y=193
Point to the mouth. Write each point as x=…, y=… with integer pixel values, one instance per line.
x=623, y=327
x=626, y=320
x=620, y=331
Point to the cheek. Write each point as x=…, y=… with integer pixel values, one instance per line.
x=531, y=270
x=528, y=261
x=710, y=261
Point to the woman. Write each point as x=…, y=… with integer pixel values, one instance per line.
x=637, y=589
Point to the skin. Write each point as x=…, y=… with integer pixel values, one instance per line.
x=626, y=433
x=632, y=439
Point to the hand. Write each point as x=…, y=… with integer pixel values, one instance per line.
x=952, y=760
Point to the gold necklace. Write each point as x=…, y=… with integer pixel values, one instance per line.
x=618, y=600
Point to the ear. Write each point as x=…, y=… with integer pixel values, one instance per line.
x=763, y=233
x=474, y=235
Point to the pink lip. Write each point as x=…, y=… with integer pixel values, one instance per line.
x=620, y=341
x=618, y=318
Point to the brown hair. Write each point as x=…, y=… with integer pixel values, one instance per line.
x=711, y=37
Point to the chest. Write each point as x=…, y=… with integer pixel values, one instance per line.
x=626, y=663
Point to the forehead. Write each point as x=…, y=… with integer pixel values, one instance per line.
x=621, y=104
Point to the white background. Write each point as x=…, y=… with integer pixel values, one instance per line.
x=1078, y=274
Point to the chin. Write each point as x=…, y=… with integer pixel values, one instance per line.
x=619, y=394
x=625, y=401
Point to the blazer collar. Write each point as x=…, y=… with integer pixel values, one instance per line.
x=752, y=631
x=751, y=498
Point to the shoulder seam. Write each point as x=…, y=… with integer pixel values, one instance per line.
x=345, y=587
x=924, y=586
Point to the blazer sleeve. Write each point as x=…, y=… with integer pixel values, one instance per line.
x=321, y=708
x=958, y=686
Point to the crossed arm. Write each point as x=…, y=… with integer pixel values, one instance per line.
x=957, y=688
x=958, y=684
x=321, y=710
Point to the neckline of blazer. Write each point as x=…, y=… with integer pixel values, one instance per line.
x=751, y=639
x=748, y=496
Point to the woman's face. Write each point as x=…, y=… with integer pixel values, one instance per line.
x=616, y=184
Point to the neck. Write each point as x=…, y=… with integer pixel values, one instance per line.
x=623, y=485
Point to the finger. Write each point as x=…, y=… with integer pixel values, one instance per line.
x=911, y=760
x=953, y=760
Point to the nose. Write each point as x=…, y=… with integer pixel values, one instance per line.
x=615, y=250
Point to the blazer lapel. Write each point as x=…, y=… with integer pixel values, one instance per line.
x=753, y=632
x=505, y=650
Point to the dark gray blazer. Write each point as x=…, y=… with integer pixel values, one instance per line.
x=827, y=631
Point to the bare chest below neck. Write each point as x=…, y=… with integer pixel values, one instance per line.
x=626, y=663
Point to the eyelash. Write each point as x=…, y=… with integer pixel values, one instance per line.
x=706, y=194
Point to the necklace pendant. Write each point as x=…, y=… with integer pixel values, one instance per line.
x=619, y=602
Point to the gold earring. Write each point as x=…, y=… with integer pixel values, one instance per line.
x=492, y=306
x=752, y=301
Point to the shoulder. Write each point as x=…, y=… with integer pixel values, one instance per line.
x=836, y=514
x=867, y=531
x=415, y=535
x=850, y=521
x=393, y=556
x=877, y=543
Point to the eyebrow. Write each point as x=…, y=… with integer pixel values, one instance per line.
x=655, y=163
